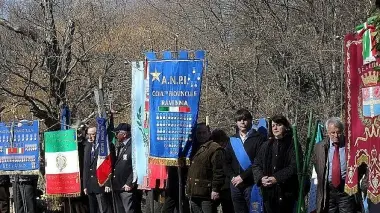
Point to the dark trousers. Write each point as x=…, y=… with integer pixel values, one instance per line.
x=24, y=196
x=199, y=205
x=4, y=199
x=225, y=200
x=241, y=198
x=138, y=201
x=125, y=201
x=78, y=205
x=172, y=202
x=277, y=206
x=373, y=208
x=339, y=201
x=99, y=203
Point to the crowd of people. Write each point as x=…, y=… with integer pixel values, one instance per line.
x=223, y=171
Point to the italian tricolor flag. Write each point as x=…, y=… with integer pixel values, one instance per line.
x=62, y=163
x=365, y=31
x=174, y=109
x=14, y=151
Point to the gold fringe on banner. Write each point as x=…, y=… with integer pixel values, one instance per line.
x=31, y=172
x=373, y=198
x=350, y=191
x=63, y=195
x=169, y=161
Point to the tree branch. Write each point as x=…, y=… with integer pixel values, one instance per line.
x=19, y=30
x=25, y=79
x=66, y=53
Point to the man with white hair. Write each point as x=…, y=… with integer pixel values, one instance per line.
x=99, y=201
x=331, y=166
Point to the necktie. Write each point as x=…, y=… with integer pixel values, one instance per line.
x=92, y=150
x=336, y=167
x=119, y=149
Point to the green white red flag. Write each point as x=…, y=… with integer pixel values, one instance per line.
x=62, y=164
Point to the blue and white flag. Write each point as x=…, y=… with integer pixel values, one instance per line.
x=174, y=94
x=140, y=141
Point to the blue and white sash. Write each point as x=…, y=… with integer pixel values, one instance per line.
x=240, y=153
x=256, y=201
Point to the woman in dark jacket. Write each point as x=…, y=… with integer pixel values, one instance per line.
x=275, y=168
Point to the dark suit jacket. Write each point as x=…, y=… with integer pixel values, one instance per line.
x=90, y=180
x=123, y=171
x=319, y=161
x=252, y=147
x=4, y=180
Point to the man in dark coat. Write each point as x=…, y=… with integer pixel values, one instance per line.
x=124, y=187
x=205, y=176
x=242, y=179
x=99, y=200
x=24, y=193
x=225, y=200
x=4, y=193
x=331, y=176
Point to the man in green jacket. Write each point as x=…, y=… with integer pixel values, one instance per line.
x=205, y=176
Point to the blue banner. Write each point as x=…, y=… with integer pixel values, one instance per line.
x=19, y=147
x=65, y=117
x=102, y=138
x=174, y=94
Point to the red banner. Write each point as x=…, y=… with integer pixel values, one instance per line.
x=362, y=117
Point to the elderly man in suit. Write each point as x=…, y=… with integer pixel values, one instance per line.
x=124, y=187
x=331, y=166
x=99, y=201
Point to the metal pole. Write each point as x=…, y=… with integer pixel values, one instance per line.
x=295, y=141
x=151, y=200
x=113, y=198
x=23, y=197
x=70, y=204
x=180, y=207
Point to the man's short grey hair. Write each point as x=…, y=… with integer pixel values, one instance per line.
x=336, y=122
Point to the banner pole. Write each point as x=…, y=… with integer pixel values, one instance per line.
x=70, y=205
x=113, y=197
x=64, y=126
x=180, y=207
x=152, y=200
